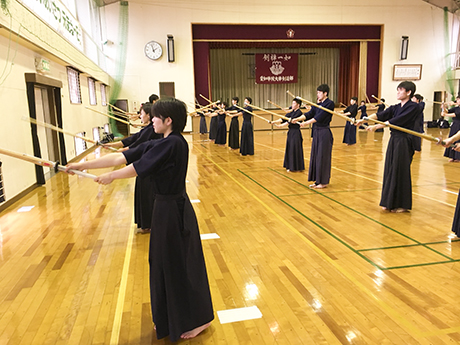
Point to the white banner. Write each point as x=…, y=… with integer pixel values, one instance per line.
x=56, y=15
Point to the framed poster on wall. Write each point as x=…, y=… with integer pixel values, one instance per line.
x=407, y=72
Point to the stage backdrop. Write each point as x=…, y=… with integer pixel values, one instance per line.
x=273, y=68
x=233, y=73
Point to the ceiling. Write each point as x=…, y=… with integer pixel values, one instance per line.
x=107, y=2
x=452, y=5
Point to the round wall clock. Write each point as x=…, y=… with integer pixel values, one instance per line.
x=153, y=50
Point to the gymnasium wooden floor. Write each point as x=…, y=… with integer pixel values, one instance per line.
x=323, y=266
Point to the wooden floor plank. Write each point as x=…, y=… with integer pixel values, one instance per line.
x=323, y=267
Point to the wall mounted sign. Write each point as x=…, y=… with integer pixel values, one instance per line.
x=407, y=72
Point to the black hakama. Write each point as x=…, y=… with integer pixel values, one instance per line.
x=456, y=221
x=321, y=146
x=179, y=288
x=203, y=127
x=234, y=133
x=143, y=188
x=221, y=136
x=417, y=141
x=454, y=128
x=293, y=156
x=349, y=134
x=363, y=109
x=397, y=185
x=247, y=134
x=180, y=296
x=320, y=156
x=234, y=130
x=143, y=202
x=380, y=108
x=213, y=128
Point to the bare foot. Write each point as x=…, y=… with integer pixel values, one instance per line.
x=320, y=186
x=312, y=185
x=194, y=332
x=143, y=231
x=399, y=210
x=384, y=208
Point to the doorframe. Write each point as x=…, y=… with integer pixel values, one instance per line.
x=54, y=87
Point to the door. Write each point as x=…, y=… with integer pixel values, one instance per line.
x=47, y=138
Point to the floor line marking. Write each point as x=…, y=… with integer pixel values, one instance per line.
x=398, y=316
x=380, y=182
x=116, y=327
x=385, y=306
x=448, y=191
x=367, y=178
x=366, y=216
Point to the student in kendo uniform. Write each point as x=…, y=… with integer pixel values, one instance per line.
x=203, y=126
x=179, y=289
x=143, y=189
x=221, y=135
x=213, y=123
x=349, y=133
x=234, y=128
x=247, y=132
x=363, y=110
x=455, y=140
x=293, y=155
x=321, y=147
x=397, y=184
x=454, y=113
x=380, y=107
x=419, y=122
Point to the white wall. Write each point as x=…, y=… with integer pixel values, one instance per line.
x=417, y=19
x=31, y=38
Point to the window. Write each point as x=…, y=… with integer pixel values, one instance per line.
x=97, y=133
x=73, y=77
x=92, y=91
x=103, y=95
x=80, y=144
x=2, y=191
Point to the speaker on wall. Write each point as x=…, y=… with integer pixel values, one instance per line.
x=170, y=48
x=404, y=47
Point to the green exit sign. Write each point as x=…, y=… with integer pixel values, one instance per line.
x=45, y=64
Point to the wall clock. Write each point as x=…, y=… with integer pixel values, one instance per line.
x=153, y=50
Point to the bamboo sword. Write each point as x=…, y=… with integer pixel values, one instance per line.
x=43, y=162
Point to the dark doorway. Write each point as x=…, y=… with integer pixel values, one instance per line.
x=44, y=99
x=167, y=90
x=438, y=96
x=122, y=127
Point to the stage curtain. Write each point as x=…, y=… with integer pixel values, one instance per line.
x=348, y=73
x=233, y=74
